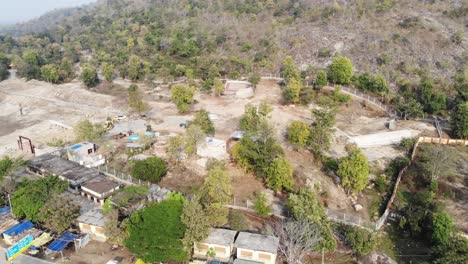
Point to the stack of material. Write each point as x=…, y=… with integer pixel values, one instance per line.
x=157, y=193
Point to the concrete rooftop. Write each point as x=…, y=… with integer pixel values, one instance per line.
x=257, y=242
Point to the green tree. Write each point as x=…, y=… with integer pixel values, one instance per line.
x=320, y=132
x=86, y=131
x=260, y=205
x=292, y=91
x=298, y=134
x=196, y=221
x=38, y=191
x=89, y=76
x=459, y=121
x=135, y=68
x=215, y=193
x=203, y=120
x=155, y=233
x=6, y=164
x=455, y=251
x=354, y=171
x=108, y=71
x=49, y=73
x=321, y=79
x=182, y=96
x=340, y=71
x=361, y=241
x=66, y=71
x=4, y=64
x=253, y=116
x=58, y=213
x=289, y=70
x=443, y=228
x=151, y=169
x=135, y=99
x=218, y=87
x=29, y=67
x=304, y=205
x=254, y=79
x=279, y=175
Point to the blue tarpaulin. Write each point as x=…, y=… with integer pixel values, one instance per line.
x=62, y=242
x=4, y=210
x=19, y=228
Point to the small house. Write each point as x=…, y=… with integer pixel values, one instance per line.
x=256, y=247
x=84, y=153
x=92, y=223
x=220, y=242
x=98, y=189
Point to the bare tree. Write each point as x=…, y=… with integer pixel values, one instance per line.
x=436, y=161
x=297, y=238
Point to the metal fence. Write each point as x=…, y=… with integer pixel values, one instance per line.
x=121, y=177
x=349, y=219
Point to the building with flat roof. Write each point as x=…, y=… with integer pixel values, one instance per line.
x=221, y=241
x=84, y=153
x=256, y=247
x=66, y=170
x=98, y=189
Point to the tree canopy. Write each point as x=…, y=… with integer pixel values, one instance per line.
x=59, y=213
x=354, y=170
x=340, y=71
x=151, y=169
x=298, y=133
x=155, y=233
x=89, y=76
x=135, y=99
x=31, y=195
x=182, y=96
x=203, y=120
x=216, y=192
x=304, y=205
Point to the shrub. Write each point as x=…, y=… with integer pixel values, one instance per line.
x=381, y=183
x=361, y=242
x=237, y=220
x=89, y=76
x=321, y=79
x=260, y=205
x=298, y=133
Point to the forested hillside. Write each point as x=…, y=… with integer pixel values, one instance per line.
x=417, y=46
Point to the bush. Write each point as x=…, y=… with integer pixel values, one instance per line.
x=381, y=183
x=151, y=169
x=298, y=133
x=361, y=242
x=237, y=220
x=89, y=76
x=321, y=79
x=260, y=205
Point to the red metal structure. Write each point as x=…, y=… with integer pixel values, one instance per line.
x=22, y=146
